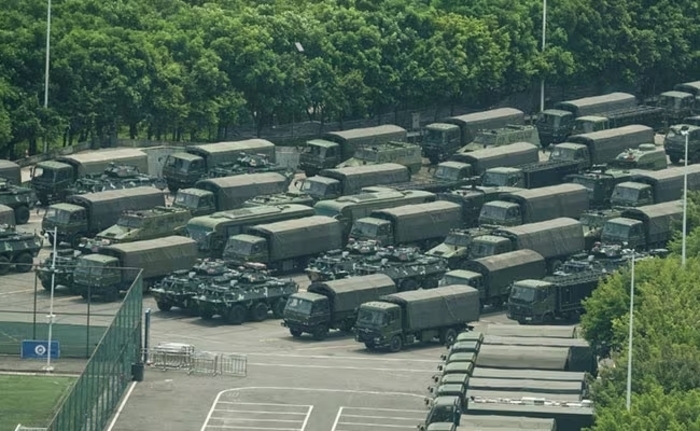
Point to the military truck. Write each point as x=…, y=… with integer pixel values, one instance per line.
x=472, y=199
x=555, y=125
x=494, y=423
x=651, y=116
x=530, y=176
x=569, y=416
x=52, y=179
x=211, y=232
x=677, y=105
x=555, y=240
x=116, y=267
x=654, y=187
x=493, y=275
x=183, y=169
x=227, y=193
x=535, y=205
x=333, y=304
x=245, y=164
x=18, y=250
x=86, y=215
x=557, y=297
x=240, y=296
x=401, y=153
x=421, y=224
x=336, y=147
x=7, y=216
x=132, y=226
x=645, y=227
x=62, y=273
x=593, y=222
x=405, y=318
x=516, y=154
x=180, y=288
x=674, y=143
x=11, y=172
x=445, y=177
x=115, y=177
x=502, y=136
x=286, y=245
x=19, y=199
x=440, y=140
x=582, y=359
x=333, y=183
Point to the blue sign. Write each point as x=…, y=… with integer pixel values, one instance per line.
x=37, y=349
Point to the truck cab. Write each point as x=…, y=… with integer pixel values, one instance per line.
x=621, y=231
x=489, y=245
x=444, y=409
x=503, y=177
x=462, y=276
x=97, y=274
x=677, y=105
x=319, y=154
x=306, y=311
x=183, y=170
x=570, y=152
x=50, y=179
x=554, y=126
x=632, y=194
x=600, y=185
x=500, y=213
x=674, y=142
x=70, y=220
x=370, y=228
x=453, y=171
x=593, y=222
x=378, y=322
x=590, y=123
x=320, y=188
x=199, y=202
x=531, y=300
x=455, y=248
x=247, y=248
x=440, y=140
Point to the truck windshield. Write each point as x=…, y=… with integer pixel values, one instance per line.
x=87, y=267
x=669, y=102
x=458, y=240
x=313, y=188
x=434, y=136
x=624, y=195
x=581, y=127
x=363, y=230
x=493, y=213
x=325, y=211
x=298, y=305
x=371, y=317
x=185, y=200
x=495, y=179
x=447, y=173
x=238, y=247
x=559, y=153
x=130, y=222
x=592, y=220
x=177, y=163
x=548, y=120
x=449, y=280
x=313, y=150
x=482, y=249
x=201, y=234
x=43, y=173
x=58, y=216
x=523, y=294
x=587, y=182
x=615, y=231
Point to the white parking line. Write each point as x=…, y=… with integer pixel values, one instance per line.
x=258, y=416
x=373, y=418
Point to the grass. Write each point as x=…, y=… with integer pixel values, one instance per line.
x=30, y=400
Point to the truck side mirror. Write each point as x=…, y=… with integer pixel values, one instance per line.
x=440, y=367
x=443, y=357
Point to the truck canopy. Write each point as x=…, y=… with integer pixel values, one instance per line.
x=550, y=331
x=605, y=145
x=559, y=237
x=519, y=396
x=11, y=171
x=524, y=385
x=569, y=417
x=7, y=215
x=496, y=423
x=105, y=208
x=524, y=357
x=421, y=221
x=546, y=203
x=368, y=135
x=354, y=178
x=668, y=183
x=598, y=104
x=229, y=152
x=349, y=293
x=555, y=376
x=222, y=221
x=501, y=270
x=232, y=191
x=582, y=357
x=518, y=153
x=157, y=257
x=95, y=163
x=689, y=87
x=433, y=308
x=656, y=218
x=314, y=234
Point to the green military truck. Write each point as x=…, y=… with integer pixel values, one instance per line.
x=569, y=416
x=53, y=179
x=645, y=227
x=493, y=275
x=227, y=193
x=86, y=215
x=555, y=125
x=405, y=318
x=402, y=153
x=674, y=143
x=183, y=169
x=535, y=205
x=115, y=267
x=334, y=183
x=655, y=187
x=333, y=304
x=681, y=102
x=515, y=154
x=211, y=232
x=10, y=171
x=420, y=225
x=336, y=147
x=472, y=199
x=7, y=216
x=287, y=245
x=132, y=226
x=442, y=139
x=502, y=136
x=651, y=116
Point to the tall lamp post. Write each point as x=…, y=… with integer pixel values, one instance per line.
x=544, y=40
x=684, y=132
x=629, y=346
x=46, y=66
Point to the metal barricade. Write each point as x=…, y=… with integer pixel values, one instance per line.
x=172, y=356
x=205, y=363
x=233, y=365
x=23, y=428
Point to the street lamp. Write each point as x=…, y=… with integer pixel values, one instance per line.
x=629, y=346
x=544, y=39
x=684, y=132
x=46, y=66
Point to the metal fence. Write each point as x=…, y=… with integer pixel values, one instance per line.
x=176, y=356
x=23, y=428
x=109, y=370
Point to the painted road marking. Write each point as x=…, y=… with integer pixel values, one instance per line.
x=235, y=415
x=371, y=418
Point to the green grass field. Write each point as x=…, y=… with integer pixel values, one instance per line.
x=30, y=400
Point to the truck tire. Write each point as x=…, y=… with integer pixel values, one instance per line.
x=235, y=315
x=111, y=294
x=346, y=326
x=434, y=160
x=448, y=337
x=164, y=306
x=206, y=313
x=258, y=312
x=396, y=344
x=408, y=285
x=278, y=308
x=24, y=262
x=369, y=345
x=674, y=159
x=320, y=332
x=21, y=215
x=4, y=265
x=295, y=332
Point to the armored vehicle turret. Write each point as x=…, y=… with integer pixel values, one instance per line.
x=18, y=250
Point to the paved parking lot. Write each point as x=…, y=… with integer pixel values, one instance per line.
x=258, y=416
x=372, y=418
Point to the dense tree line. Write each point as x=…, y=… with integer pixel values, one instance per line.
x=666, y=342
x=190, y=69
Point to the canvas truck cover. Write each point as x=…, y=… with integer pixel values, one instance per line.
x=668, y=183
x=582, y=357
x=568, y=417
x=555, y=376
x=492, y=119
x=349, y=293
x=552, y=238
x=105, y=208
x=434, y=308
x=497, y=423
x=229, y=152
x=232, y=192
x=524, y=357
x=657, y=219
x=549, y=331
x=517, y=396
x=605, y=145
x=157, y=257
x=501, y=270
x=511, y=155
x=300, y=237
x=96, y=162
x=368, y=135
x=354, y=178
x=598, y=104
x=422, y=221
x=11, y=171
x=7, y=215
x=546, y=203
x=525, y=385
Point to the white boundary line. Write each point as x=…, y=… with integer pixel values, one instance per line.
x=339, y=367
x=306, y=420
x=337, y=419
x=121, y=407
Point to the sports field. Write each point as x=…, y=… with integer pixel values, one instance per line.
x=30, y=400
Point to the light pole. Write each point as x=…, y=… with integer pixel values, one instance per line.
x=684, y=132
x=46, y=66
x=544, y=39
x=629, y=346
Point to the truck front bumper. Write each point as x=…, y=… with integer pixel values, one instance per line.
x=371, y=338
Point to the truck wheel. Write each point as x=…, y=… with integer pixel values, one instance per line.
x=674, y=159
x=21, y=215
x=24, y=262
x=448, y=337
x=278, y=308
x=320, y=332
x=408, y=285
x=206, y=313
x=434, y=160
x=369, y=346
x=4, y=265
x=46, y=284
x=111, y=294
x=295, y=332
x=259, y=312
x=164, y=306
x=236, y=315
x=396, y=344
x=548, y=318
x=347, y=326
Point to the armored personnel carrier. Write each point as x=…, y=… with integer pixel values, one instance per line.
x=340, y=263
x=66, y=259
x=20, y=199
x=246, y=295
x=115, y=177
x=246, y=164
x=18, y=250
x=287, y=198
x=181, y=287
